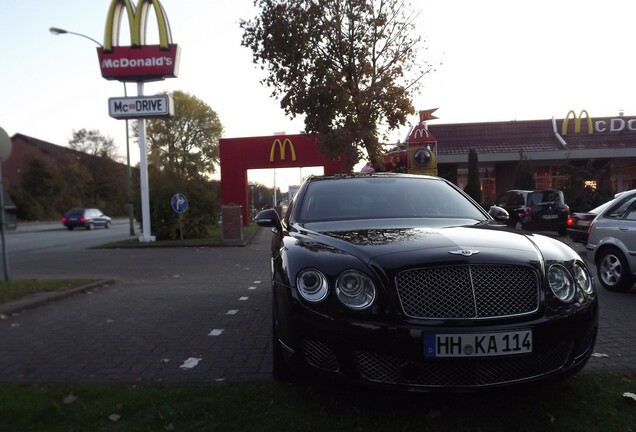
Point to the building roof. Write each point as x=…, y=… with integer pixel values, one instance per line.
x=25, y=146
x=534, y=137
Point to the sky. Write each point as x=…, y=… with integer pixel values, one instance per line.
x=492, y=60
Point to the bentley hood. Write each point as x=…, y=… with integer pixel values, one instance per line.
x=479, y=243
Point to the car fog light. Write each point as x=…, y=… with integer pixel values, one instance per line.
x=561, y=282
x=583, y=279
x=355, y=289
x=312, y=285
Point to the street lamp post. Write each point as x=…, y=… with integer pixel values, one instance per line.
x=58, y=31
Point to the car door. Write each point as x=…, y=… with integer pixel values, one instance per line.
x=98, y=217
x=625, y=229
x=512, y=202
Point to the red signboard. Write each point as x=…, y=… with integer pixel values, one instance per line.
x=278, y=151
x=138, y=62
x=144, y=63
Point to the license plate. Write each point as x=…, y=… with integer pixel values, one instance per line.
x=550, y=216
x=583, y=223
x=477, y=344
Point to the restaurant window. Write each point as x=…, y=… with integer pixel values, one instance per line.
x=486, y=180
x=488, y=185
x=551, y=177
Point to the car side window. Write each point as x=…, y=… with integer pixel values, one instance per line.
x=631, y=212
x=503, y=200
x=517, y=199
x=622, y=208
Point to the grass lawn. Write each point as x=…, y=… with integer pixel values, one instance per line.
x=15, y=289
x=584, y=403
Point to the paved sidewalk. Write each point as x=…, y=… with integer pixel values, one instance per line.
x=170, y=305
x=167, y=305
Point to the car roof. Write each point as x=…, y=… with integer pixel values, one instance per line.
x=312, y=178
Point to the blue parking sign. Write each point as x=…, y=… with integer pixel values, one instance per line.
x=179, y=203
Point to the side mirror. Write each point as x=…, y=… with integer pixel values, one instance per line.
x=499, y=214
x=268, y=218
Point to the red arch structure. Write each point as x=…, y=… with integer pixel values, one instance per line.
x=237, y=155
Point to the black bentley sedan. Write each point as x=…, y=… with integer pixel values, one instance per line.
x=404, y=281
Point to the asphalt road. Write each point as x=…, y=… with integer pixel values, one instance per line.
x=207, y=308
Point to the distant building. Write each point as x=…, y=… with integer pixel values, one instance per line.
x=553, y=147
x=25, y=148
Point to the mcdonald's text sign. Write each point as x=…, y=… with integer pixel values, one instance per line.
x=584, y=124
x=138, y=62
x=147, y=63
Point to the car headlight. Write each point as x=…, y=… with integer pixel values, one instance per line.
x=583, y=278
x=312, y=285
x=355, y=289
x=561, y=282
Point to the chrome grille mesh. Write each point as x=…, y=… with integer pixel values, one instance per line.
x=461, y=373
x=320, y=356
x=468, y=291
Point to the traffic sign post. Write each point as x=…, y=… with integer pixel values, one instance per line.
x=5, y=152
x=179, y=204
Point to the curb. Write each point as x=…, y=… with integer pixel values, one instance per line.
x=41, y=299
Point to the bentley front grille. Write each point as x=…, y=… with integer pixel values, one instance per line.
x=468, y=291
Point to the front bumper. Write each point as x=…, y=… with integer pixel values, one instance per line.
x=385, y=354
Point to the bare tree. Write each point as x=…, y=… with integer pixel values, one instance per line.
x=94, y=143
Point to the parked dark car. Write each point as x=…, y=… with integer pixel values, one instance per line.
x=579, y=222
x=538, y=210
x=88, y=218
x=404, y=281
x=612, y=243
x=513, y=201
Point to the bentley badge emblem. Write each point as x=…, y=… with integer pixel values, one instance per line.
x=464, y=252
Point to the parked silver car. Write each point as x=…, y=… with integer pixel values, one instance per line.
x=612, y=243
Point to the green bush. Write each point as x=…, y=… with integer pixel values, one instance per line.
x=197, y=221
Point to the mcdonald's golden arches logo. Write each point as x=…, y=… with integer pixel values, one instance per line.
x=282, y=146
x=138, y=62
x=577, y=122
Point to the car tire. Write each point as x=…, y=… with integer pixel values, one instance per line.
x=90, y=226
x=613, y=271
x=519, y=226
x=107, y=225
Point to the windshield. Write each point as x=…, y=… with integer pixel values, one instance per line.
x=384, y=198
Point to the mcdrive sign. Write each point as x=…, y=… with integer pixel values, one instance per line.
x=140, y=107
x=138, y=62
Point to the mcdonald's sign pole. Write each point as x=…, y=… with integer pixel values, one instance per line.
x=138, y=63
